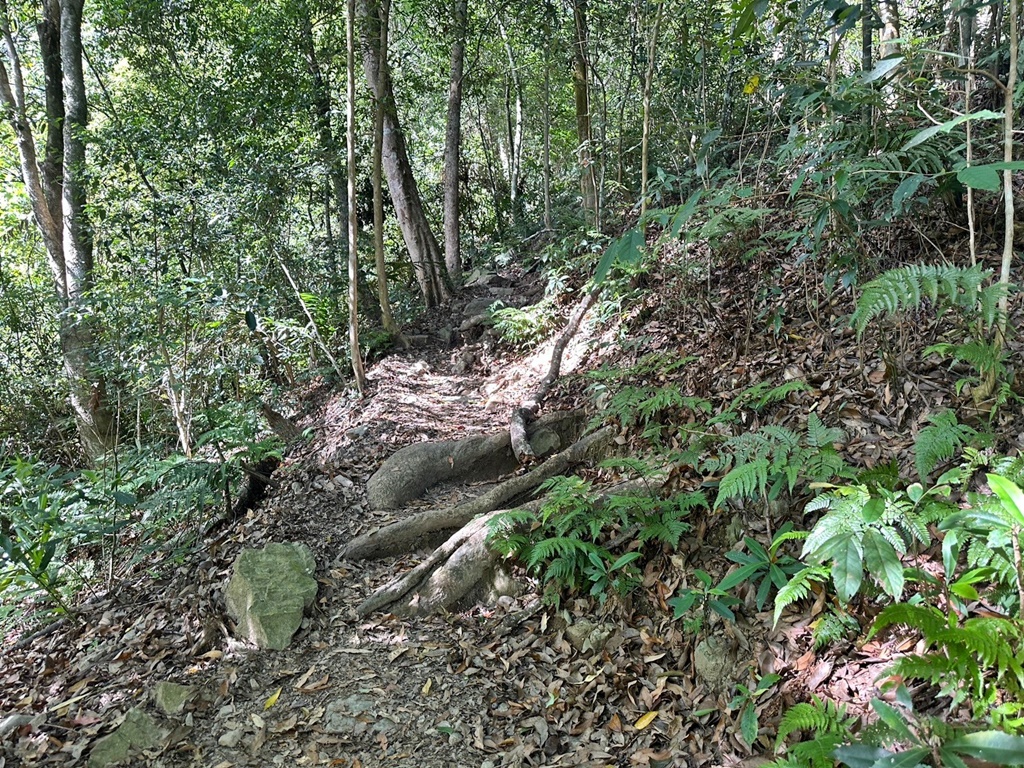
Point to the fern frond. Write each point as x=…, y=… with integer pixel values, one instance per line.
x=799, y=587
x=820, y=436
x=926, y=619
x=743, y=481
x=905, y=289
x=940, y=441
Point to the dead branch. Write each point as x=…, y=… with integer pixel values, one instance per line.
x=528, y=409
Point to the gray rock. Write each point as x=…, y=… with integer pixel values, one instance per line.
x=479, y=307
x=170, y=698
x=349, y=715
x=138, y=732
x=269, y=591
x=713, y=662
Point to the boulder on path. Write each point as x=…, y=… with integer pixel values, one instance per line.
x=417, y=467
x=269, y=591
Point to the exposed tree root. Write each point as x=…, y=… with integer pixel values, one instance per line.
x=528, y=409
x=408, y=534
x=461, y=571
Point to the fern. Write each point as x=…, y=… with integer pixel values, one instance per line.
x=820, y=436
x=831, y=628
x=744, y=480
x=940, y=441
x=907, y=287
x=799, y=587
x=980, y=657
x=820, y=718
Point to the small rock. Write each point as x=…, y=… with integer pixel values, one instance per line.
x=138, y=732
x=231, y=738
x=713, y=662
x=170, y=698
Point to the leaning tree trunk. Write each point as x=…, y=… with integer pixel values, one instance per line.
x=57, y=194
x=424, y=251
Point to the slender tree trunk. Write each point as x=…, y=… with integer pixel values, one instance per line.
x=1008, y=208
x=889, y=11
x=387, y=316
x=547, y=133
x=581, y=89
x=57, y=194
x=353, y=216
x=514, y=124
x=452, y=146
x=866, y=25
x=424, y=251
x=652, y=49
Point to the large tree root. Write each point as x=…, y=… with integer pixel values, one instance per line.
x=415, y=468
x=460, y=572
x=408, y=534
x=528, y=409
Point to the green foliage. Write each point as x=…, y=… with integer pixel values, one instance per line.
x=523, y=328
x=694, y=604
x=943, y=285
x=925, y=741
x=745, y=700
x=46, y=515
x=828, y=724
x=767, y=568
x=772, y=459
x=564, y=543
x=832, y=628
x=978, y=659
x=871, y=529
x=799, y=587
x=991, y=529
x=940, y=441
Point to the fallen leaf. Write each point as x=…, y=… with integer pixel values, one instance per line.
x=271, y=700
x=425, y=690
x=646, y=720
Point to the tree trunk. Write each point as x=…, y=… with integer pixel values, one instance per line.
x=57, y=194
x=889, y=12
x=581, y=89
x=387, y=316
x=353, y=217
x=645, y=141
x=424, y=251
x=452, y=146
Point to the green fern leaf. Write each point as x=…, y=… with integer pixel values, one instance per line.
x=799, y=587
x=743, y=481
x=940, y=441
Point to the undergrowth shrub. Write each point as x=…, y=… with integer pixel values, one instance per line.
x=567, y=543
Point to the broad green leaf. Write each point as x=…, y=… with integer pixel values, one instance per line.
x=626, y=559
x=979, y=177
x=883, y=563
x=882, y=68
x=946, y=127
x=748, y=724
x=740, y=575
x=892, y=718
x=1010, y=495
x=861, y=755
x=847, y=568
x=624, y=250
x=685, y=212
x=907, y=188
x=994, y=746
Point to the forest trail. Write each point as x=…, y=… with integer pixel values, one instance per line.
x=510, y=684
